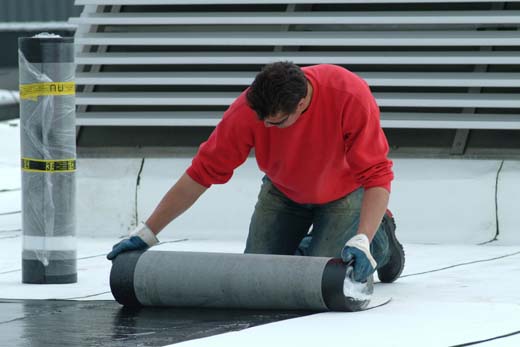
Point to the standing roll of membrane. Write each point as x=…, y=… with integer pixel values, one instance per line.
x=223, y=280
x=48, y=151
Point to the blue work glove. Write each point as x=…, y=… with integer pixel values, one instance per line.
x=357, y=251
x=141, y=238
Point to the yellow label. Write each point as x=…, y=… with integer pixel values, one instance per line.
x=42, y=165
x=34, y=90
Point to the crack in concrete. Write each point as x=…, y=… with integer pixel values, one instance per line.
x=138, y=182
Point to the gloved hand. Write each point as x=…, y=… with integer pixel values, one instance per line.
x=141, y=238
x=357, y=249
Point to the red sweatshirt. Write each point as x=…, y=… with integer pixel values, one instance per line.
x=336, y=146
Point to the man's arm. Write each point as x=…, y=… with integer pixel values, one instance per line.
x=178, y=199
x=373, y=208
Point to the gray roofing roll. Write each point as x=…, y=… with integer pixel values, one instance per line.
x=223, y=280
x=48, y=151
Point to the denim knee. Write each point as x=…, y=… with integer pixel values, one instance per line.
x=278, y=224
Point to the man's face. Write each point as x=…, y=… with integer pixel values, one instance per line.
x=284, y=120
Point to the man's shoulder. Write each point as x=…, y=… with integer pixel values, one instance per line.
x=240, y=103
x=240, y=110
x=328, y=71
x=335, y=77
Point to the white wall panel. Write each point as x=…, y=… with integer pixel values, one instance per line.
x=106, y=196
x=509, y=203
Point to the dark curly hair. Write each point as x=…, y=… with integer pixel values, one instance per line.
x=278, y=88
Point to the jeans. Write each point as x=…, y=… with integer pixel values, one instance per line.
x=279, y=225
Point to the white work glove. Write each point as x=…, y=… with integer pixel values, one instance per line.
x=357, y=252
x=140, y=238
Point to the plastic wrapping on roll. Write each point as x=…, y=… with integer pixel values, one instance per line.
x=48, y=158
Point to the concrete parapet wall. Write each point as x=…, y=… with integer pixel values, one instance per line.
x=509, y=203
x=433, y=200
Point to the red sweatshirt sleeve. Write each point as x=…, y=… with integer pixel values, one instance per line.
x=365, y=142
x=227, y=148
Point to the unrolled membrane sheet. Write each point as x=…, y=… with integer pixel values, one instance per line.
x=225, y=280
x=48, y=151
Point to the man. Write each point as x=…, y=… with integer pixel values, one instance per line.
x=317, y=137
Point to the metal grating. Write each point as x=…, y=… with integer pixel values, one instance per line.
x=431, y=64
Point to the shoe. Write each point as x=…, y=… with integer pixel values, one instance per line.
x=395, y=265
x=303, y=248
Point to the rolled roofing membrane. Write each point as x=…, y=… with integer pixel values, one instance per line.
x=48, y=151
x=225, y=280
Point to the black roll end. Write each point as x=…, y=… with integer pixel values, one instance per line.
x=33, y=272
x=47, y=49
x=122, y=278
x=332, y=288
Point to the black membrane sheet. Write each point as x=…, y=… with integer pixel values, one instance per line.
x=62, y=323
